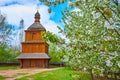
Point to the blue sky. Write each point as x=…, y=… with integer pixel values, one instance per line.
x=58, y=12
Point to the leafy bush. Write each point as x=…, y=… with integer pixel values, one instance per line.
x=8, y=55
x=55, y=49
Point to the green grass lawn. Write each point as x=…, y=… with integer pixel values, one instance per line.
x=2, y=77
x=9, y=67
x=60, y=74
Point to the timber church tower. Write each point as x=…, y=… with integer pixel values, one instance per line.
x=34, y=48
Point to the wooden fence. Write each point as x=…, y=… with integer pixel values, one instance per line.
x=58, y=64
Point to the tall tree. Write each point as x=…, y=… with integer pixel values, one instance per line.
x=5, y=30
x=6, y=53
x=93, y=36
x=93, y=41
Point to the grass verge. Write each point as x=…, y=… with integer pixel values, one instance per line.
x=2, y=77
x=9, y=67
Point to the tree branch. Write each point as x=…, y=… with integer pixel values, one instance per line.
x=107, y=20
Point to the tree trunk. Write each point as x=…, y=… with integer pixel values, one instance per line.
x=91, y=74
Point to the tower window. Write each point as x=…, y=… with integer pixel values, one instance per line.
x=33, y=36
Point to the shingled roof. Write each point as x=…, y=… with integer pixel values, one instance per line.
x=36, y=25
x=33, y=56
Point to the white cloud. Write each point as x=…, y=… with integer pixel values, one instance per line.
x=76, y=10
x=51, y=26
x=17, y=12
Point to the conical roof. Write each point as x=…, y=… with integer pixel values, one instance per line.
x=36, y=25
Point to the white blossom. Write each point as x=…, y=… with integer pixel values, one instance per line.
x=109, y=63
x=66, y=58
x=119, y=64
x=89, y=31
x=96, y=15
x=108, y=25
x=79, y=61
x=84, y=69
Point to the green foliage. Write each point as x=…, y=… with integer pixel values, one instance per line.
x=50, y=37
x=4, y=54
x=8, y=55
x=53, y=2
x=60, y=74
x=55, y=51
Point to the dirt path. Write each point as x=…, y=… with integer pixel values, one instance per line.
x=14, y=74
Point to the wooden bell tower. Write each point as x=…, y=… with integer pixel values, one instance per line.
x=34, y=49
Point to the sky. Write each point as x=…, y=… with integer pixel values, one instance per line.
x=15, y=10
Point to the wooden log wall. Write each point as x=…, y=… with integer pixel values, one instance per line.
x=34, y=48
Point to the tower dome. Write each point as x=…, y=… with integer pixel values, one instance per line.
x=37, y=14
x=37, y=17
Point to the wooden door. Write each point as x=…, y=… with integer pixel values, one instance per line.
x=46, y=63
x=40, y=63
x=32, y=63
x=25, y=63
